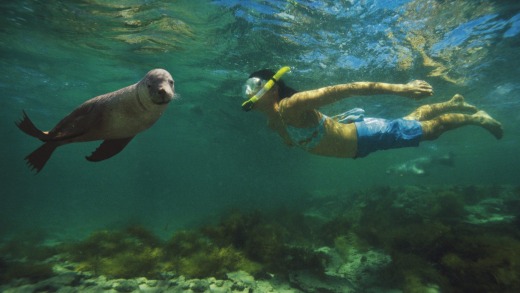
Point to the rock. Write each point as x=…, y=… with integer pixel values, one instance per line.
x=62, y=268
x=213, y=288
x=242, y=281
x=199, y=285
x=184, y=285
x=309, y=282
x=152, y=283
x=109, y=284
x=264, y=286
x=126, y=285
x=67, y=290
x=55, y=283
x=180, y=281
x=278, y=284
x=219, y=283
x=21, y=289
x=362, y=267
x=242, y=277
x=147, y=289
x=99, y=281
x=161, y=284
x=17, y=283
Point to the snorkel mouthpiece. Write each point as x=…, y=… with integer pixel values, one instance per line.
x=249, y=104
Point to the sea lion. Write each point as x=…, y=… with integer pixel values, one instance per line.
x=115, y=118
x=422, y=165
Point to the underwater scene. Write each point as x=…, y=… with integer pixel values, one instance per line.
x=166, y=184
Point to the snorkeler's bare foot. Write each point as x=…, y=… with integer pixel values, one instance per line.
x=458, y=102
x=490, y=124
x=418, y=89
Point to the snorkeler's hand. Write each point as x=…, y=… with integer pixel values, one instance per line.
x=418, y=89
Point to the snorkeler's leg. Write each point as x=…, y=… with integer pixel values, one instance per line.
x=433, y=128
x=427, y=112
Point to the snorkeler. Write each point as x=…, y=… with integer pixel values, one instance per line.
x=295, y=117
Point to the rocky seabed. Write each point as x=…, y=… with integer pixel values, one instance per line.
x=84, y=282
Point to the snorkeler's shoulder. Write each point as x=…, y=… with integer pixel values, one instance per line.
x=298, y=117
x=295, y=104
x=289, y=110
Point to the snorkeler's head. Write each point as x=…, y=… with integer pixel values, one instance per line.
x=258, y=79
x=259, y=83
x=264, y=75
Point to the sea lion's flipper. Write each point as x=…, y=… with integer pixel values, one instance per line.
x=109, y=148
x=37, y=159
x=29, y=128
x=447, y=160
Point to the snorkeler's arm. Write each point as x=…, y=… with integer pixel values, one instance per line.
x=314, y=99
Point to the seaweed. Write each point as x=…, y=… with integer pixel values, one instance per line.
x=135, y=252
x=26, y=257
x=129, y=253
x=439, y=247
x=28, y=246
x=186, y=243
x=215, y=262
x=33, y=271
x=130, y=264
x=264, y=240
x=193, y=254
x=331, y=230
x=483, y=262
x=422, y=229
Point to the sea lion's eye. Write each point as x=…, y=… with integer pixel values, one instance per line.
x=149, y=85
x=170, y=82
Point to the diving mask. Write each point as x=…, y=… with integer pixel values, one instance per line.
x=254, y=84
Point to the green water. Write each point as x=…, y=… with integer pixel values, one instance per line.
x=205, y=154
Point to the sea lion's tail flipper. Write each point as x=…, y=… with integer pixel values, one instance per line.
x=446, y=160
x=109, y=148
x=37, y=159
x=28, y=127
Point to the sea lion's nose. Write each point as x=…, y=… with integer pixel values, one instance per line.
x=165, y=93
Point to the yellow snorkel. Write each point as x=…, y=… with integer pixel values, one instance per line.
x=248, y=105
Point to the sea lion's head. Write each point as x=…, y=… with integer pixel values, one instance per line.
x=159, y=85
